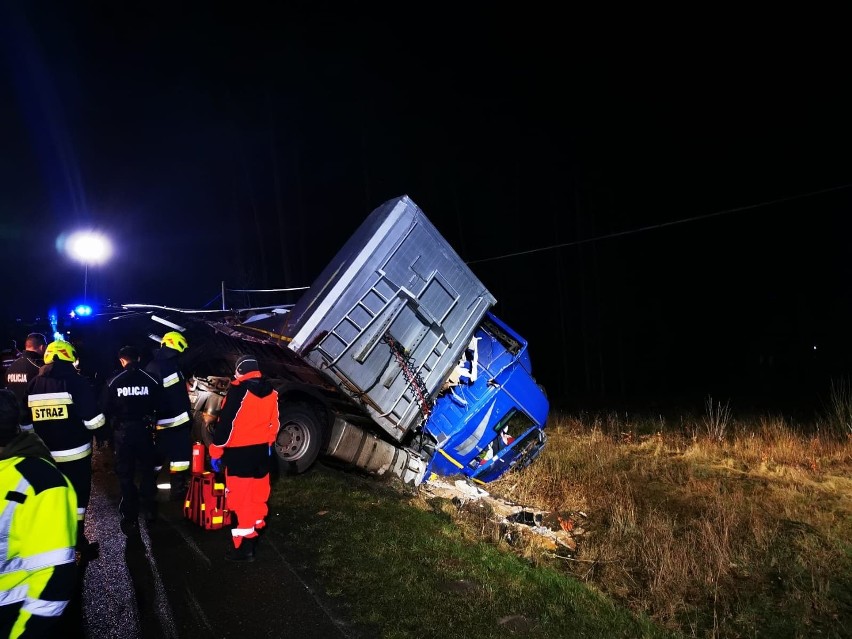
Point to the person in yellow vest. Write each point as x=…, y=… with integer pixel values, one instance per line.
x=38, y=531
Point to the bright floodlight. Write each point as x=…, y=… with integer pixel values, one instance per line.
x=88, y=247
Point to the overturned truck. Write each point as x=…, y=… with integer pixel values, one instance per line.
x=391, y=362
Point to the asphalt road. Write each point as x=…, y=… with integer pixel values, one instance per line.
x=173, y=581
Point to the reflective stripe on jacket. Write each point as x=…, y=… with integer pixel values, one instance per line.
x=63, y=409
x=174, y=399
x=38, y=532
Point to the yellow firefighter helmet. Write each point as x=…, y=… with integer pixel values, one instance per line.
x=61, y=350
x=174, y=340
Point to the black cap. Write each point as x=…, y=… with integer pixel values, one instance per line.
x=9, y=415
x=246, y=364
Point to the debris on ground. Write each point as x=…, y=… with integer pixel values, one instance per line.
x=553, y=529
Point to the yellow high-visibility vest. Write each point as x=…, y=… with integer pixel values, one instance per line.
x=38, y=533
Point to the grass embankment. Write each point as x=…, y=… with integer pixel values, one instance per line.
x=718, y=528
x=723, y=528
x=403, y=568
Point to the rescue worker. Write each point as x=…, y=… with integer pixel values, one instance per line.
x=173, y=422
x=22, y=370
x=63, y=411
x=7, y=356
x=38, y=532
x=129, y=401
x=242, y=440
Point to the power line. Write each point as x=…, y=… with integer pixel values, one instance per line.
x=642, y=229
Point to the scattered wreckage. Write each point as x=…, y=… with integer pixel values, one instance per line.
x=553, y=532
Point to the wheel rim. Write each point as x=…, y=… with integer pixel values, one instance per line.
x=293, y=441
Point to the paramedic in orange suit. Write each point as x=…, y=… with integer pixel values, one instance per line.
x=242, y=440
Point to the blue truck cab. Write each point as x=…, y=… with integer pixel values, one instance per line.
x=493, y=419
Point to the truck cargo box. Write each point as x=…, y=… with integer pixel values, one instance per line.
x=390, y=316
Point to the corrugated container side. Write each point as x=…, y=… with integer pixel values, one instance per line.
x=395, y=280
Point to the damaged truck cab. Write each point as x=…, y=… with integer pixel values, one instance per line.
x=401, y=325
x=493, y=419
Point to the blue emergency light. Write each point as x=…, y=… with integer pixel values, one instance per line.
x=81, y=310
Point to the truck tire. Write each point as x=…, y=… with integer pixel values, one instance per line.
x=299, y=439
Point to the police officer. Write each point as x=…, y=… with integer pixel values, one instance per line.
x=130, y=400
x=37, y=532
x=63, y=411
x=7, y=356
x=173, y=421
x=22, y=370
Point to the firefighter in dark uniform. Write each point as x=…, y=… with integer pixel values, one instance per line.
x=130, y=400
x=63, y=411
x=173, y=422
x=22, y=370
x=242, y=439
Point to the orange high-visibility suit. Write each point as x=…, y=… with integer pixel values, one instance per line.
x=242, y=437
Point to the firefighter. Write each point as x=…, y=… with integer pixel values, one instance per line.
x=37, y=531
x=130, y=400
x=22, y=370
x=242, y=440
x=173, y=422
x=63, y=411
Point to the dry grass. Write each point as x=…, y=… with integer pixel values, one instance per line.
x=738, y=532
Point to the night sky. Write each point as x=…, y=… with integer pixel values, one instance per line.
x=246, y=146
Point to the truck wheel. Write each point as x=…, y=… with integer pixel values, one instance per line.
x=299, y=438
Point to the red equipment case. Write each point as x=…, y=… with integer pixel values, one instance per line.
x=205, y=502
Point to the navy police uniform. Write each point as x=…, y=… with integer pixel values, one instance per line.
x=130, y=400
x=21, y=372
